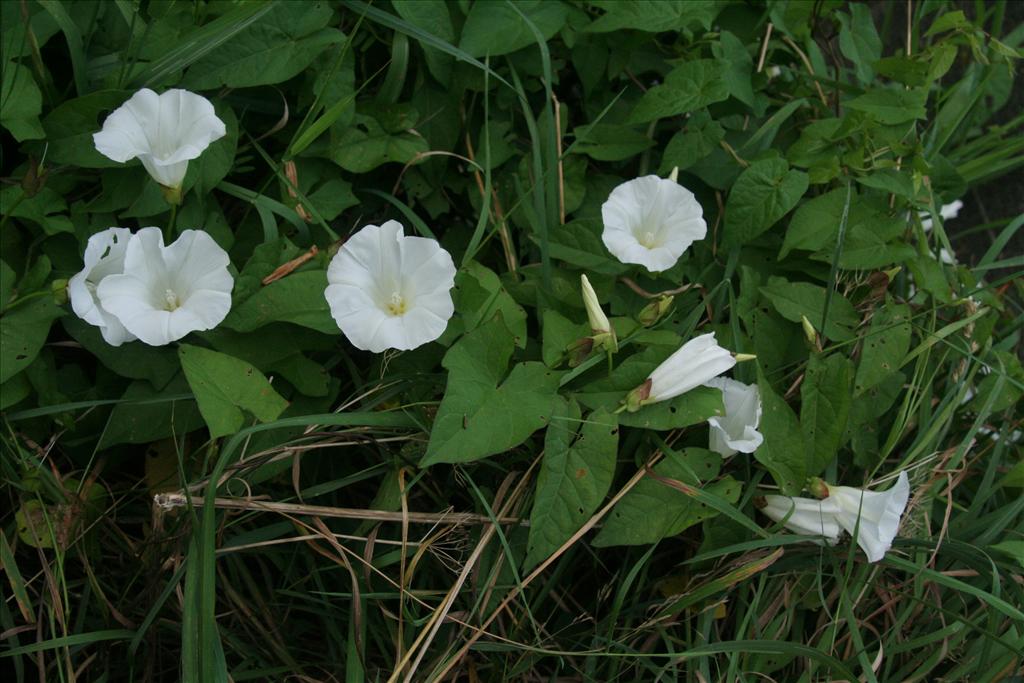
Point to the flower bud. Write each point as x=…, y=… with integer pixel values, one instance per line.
x=809, y=331
x=59, y=289
x=655, y=311
x=604, y=333
x=674, y=175
x=741, y=357
x=34, y=179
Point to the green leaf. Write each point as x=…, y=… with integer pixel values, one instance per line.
x=224, y=385
x=1005, y=367
x=148, y=414
x=891, y=106
x=135, y=360
x=479, y=294
x=764, y=193
x=297, y=298
x=825, y=397
x=739, y=66
x=698, y=138
x=693, y=407
x=574, y=477
x=654, y=16
x=610, y=142
x=483, y=412
x=906, y=70
x=277, y=46
x=783, y=452
x=579, y=243
x=14, y=390
x=20, y=103
x=46, y=209
x=558, y=332
x=884, y=346
x=496, y=28
x=431, y=16
x=71, y=124
x=7, y=280
x=859, y=41
x=23, y=330
x=690, y=86
x=652, y=510
x=793, y=300
x=366, y=145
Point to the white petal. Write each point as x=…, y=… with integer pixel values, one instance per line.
x=872, y=516
x=693, y=364
x=128, y=298
x=198, y=263
x=736, y=431
x=387, y=290
x=104, y=255
x=163, y=131
x=651, y=221
x=806, y=516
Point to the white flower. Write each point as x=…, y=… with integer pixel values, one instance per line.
x=163, y=131
x=694, y=363
x=104, y=255
x=604, y=333
x=736, y=431
x=389, y=291
x=167, y=292
x=805, y=516
x=947, y=211
x=651, y=221
x=872, y=517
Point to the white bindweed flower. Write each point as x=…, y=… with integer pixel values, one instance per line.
x=946, y=211
x=389, y=291
x=872, y=517
x=805, y=516
x=693, y=364
x=736, y=431
x=163, y=131
x=166, y=292
x=104, y=255
x=651, y=221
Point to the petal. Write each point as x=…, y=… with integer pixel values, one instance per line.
x=426, y=267
x=693, y=364
x=187, y=125
x=204, y=309
x=421, y=326
x=114, y=333
x=168, y=175
x=197, y=262
x=144, y=260
x=125, y=133
x=129, y=300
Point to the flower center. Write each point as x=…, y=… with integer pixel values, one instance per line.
x=397, y=305
x=648, y=240
x=171, y=302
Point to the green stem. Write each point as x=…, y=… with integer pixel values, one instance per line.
x=169, y=233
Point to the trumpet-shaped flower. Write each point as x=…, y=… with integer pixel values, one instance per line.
x=390, y=291
x=651, y=221
x=805, y=516
x=736, y=431
x=604, y=333
x=872, y=517
x=104, y=255
x=693, y=364
x=166, y=292
x=163, y=131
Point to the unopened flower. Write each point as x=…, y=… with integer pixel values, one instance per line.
x=651, y=221
x=390, y=291
x=872, y=517
x=805, y=516
x=654, y=311
x=104, y=255
x=162, y=131
x=736, y=431
x=166, y=292
x=693, y=364
x=604, y=333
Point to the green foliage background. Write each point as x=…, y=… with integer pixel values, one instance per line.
x=813, y=134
